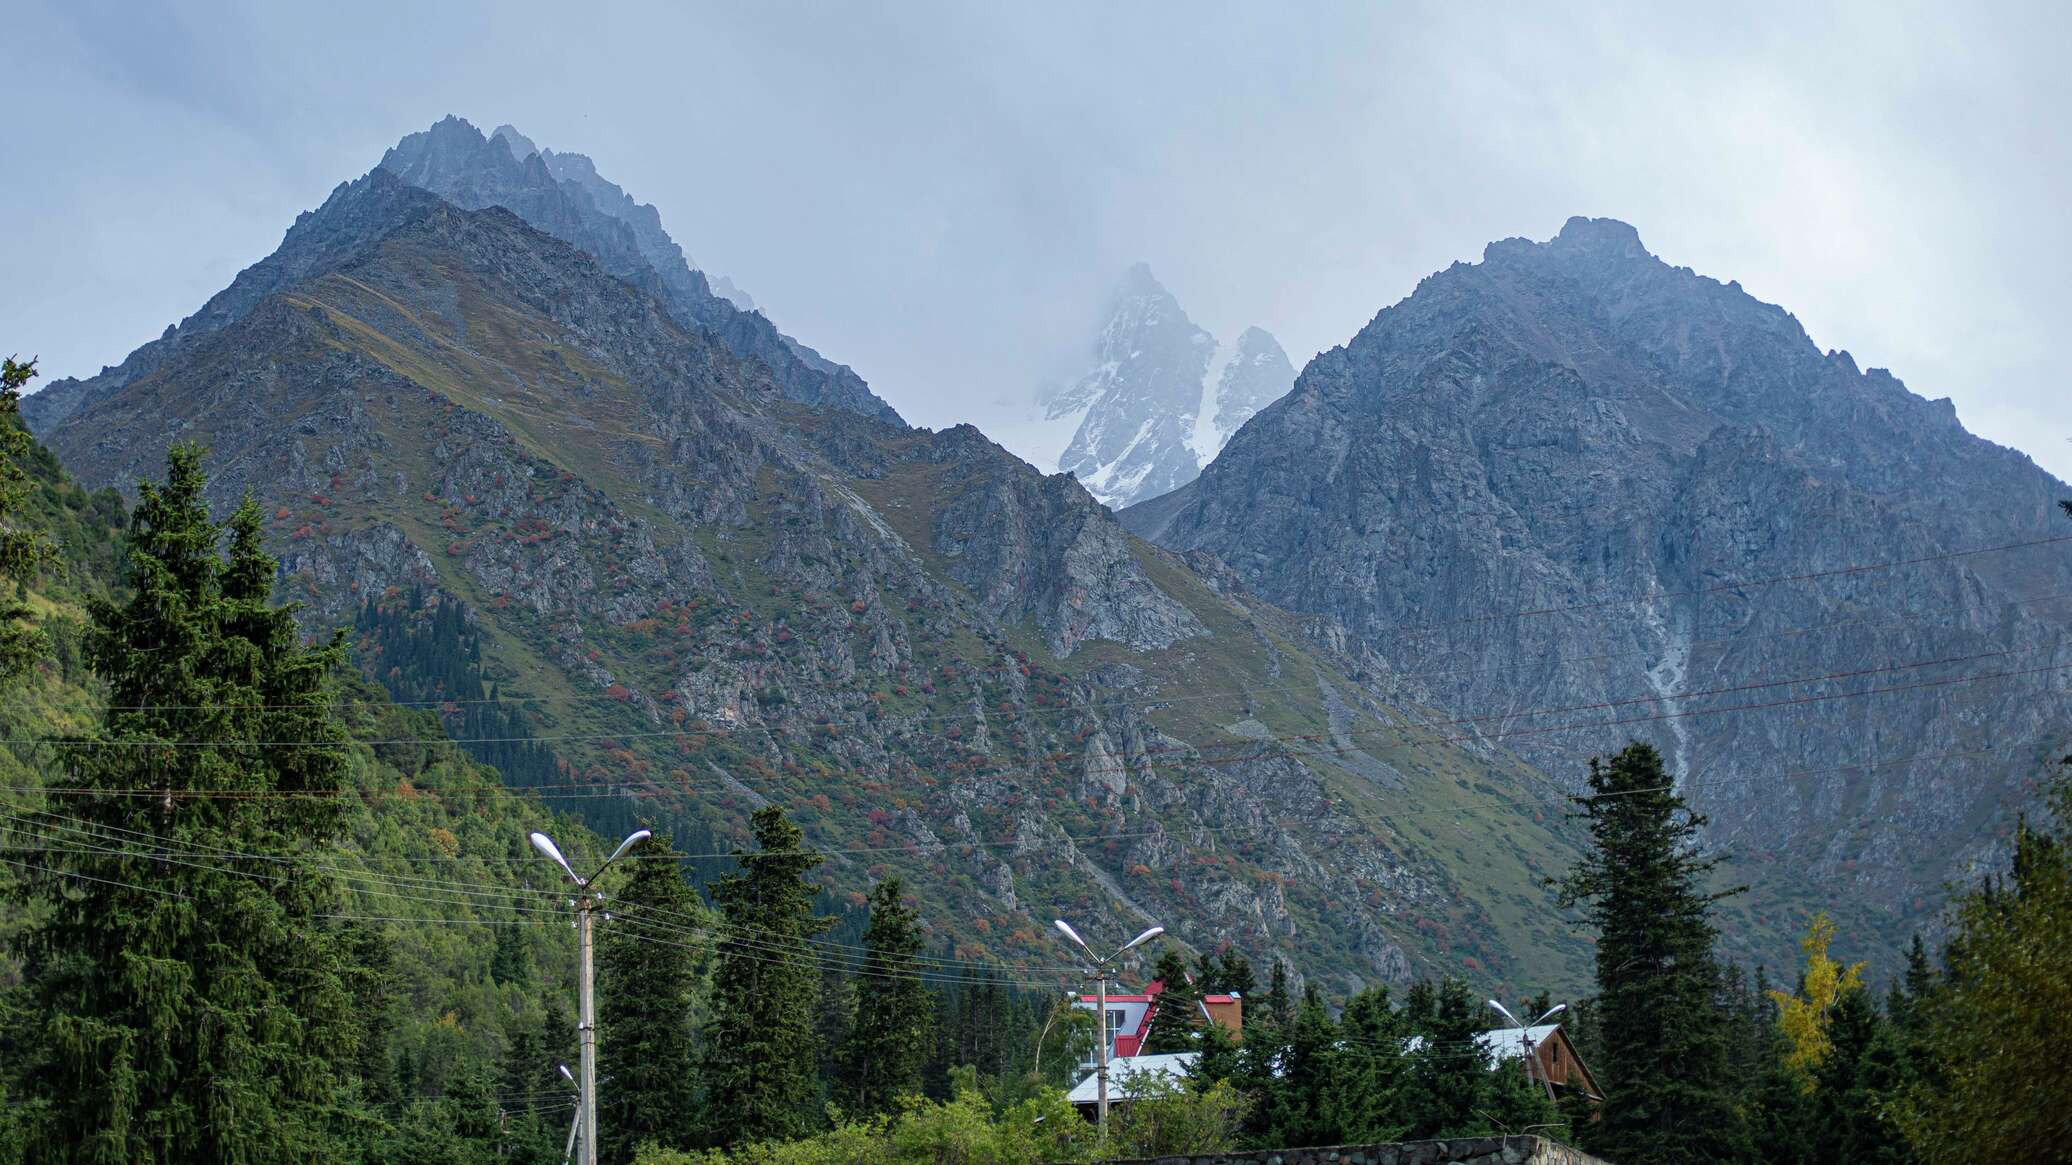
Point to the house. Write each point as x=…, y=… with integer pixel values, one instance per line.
x=1129, y=1078
x=1552, y=1057
x=1129, y=1018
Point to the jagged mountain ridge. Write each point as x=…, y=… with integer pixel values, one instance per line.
x=1577, y=430
x=1161, y=395
x=564, y=195
x=453, y=160
x=710, y=595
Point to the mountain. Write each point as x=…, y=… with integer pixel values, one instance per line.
x=1161, y=395
x=1572, y=493
x=705, y=593
x=561, y=194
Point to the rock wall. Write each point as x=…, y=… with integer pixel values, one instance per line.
x=1458, y=1151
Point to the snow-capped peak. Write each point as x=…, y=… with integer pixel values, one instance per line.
x=1160, y=396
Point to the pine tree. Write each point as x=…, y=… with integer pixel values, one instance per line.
x=1176, y=1014
x=881, y=1061
x=535, y=1101
x=757, y=1071
x=1449, y=1066
x=1277, y=1009
x=189, y=975
x=1664, y=1060
x=1853, y=1085
x=1303, y=1112
x=1366, y=1090
x=510, y=964
x=645, y=995
x=24, y=552
x=2002, y=1017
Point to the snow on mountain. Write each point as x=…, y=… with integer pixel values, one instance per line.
x=1160, y=396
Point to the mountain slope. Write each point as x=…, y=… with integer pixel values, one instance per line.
x=1573, y=477
x=561, y=194
x=707, y=595
x=1161, y=395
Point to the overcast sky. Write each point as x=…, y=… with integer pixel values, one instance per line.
x=940, y=194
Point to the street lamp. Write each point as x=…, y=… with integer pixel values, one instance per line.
x=586, y=994
x=569, y=1150
x=1525, y=1038
x=1099, y=974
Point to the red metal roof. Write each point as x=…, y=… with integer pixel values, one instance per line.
x=1127, y=1043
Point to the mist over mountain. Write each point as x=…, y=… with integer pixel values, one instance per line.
x=1573, y=494
x=1161, y=395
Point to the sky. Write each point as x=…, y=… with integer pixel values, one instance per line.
x=941, y=194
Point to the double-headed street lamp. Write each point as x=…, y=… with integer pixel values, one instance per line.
x=1099, y=974
x=1525, y=1038
x=586, y=903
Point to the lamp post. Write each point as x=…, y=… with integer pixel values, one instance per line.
x=586, y=904
x=569, y=1150
x=1525, y=1038
x=1099, y=974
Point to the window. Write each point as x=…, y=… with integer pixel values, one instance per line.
x=1115, y=1019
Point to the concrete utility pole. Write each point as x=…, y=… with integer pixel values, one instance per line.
x=586, y=904
x=1099, y=974
x=1525, y=1038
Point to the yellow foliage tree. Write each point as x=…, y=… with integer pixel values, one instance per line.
x=1804, y=1017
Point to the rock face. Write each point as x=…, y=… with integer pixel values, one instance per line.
x=1572, y=494
x=1161, y=396
x=711, y=595
x=563, y=195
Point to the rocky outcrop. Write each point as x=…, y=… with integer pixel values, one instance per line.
x=1572, y=495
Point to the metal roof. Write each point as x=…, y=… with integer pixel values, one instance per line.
x=1124, y=1072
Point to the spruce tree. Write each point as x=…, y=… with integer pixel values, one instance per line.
x=1366, y=1091
x=1448, y=1068
x=1999, y=1023
x=186, y=966
x=1642, y=886
x=757, y=1070
x=24, y=552
x=1302, y=1111
x=645, y=994
x=1176, y=1013
x=1277, y=1009
x=887, y=1046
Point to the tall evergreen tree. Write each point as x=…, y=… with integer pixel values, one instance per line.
x=24, y=552
x=1449, y=1067
x=1854, y=1084
x=1664, y=1060
x=888, y=1045
x=2002, y=1018
x=1176, y=1013
x=645, y=995
x=1302, y=1110
x=1368, y=1083
x=1277, y=1009
x=189, y=975
x=757, y=1071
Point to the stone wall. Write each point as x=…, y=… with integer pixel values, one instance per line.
x=1457, y=1151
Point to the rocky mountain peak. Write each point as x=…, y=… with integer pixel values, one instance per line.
x=1577, y=430
x=1160, y=395
x=521, y=146
x=564, y=195
x=1600, y=236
